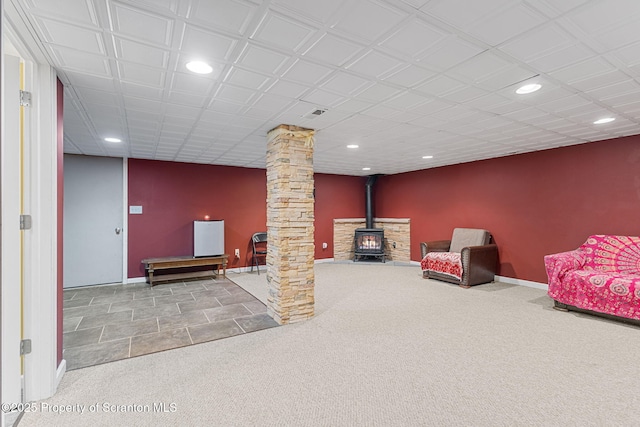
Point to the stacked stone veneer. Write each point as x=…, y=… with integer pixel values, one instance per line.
x=290, y=224
x=395, y=230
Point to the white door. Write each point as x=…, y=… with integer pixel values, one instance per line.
x=93, y=218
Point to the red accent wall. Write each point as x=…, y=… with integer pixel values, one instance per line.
x=172, y=195
x=60, y=204
x=534, y=204
x=337, y=196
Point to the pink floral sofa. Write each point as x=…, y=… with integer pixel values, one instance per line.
x=601, y=276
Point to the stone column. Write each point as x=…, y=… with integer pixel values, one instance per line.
x=290, y=224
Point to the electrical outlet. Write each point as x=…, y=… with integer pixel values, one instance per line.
x=237, y=253
x=324, y=246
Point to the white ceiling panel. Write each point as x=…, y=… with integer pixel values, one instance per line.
x=68, y=35
x=140, y=74
x=333, y=50
x=506, y=24
x=368, y=19
x=140, y=24
x=80, y=62
x=231, y=15
x=310, y=9
x=449, y=52
x=132, y=51
x=375, y=64
x=284, y=32
x=413, y=38
x=401, y=78
x=198, y=43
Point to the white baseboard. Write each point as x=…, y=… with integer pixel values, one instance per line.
x=136, y=279
x=320, y=261
x=522, y=282
x=62, y=368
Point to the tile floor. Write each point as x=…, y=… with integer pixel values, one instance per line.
x=107, y=323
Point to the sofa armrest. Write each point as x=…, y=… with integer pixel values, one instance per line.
x=557, y=265
x=479, y=264
x=434, y=246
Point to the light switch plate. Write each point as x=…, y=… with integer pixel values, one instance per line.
x=135, y=210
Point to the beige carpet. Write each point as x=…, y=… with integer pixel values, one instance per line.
x=386, y=348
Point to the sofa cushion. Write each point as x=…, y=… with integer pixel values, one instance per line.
x=611, y=293
x=612, y=254
x=463, y=237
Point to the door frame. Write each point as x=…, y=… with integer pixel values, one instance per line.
x=41, y=316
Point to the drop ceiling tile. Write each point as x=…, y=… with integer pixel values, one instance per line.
x=413, y=38
x=333, y=50
x=407, y=101
x=374, y=64
x=480, y=67
x=465, y=94
x=345, y=83
x=562, y=58
x=506, y=24
x=628, y=54
x=141, y=91
x=198, y=43
x=142, y=104
x=322, y=98
x=440, y=85
x=80, y=11
x=284, y=32
x=272, y=102
x=368, y=19
x=234, y=94
x=132, y=51
x=97, y=96
x=599, y=15
x=582, y=70
x=286, y=89
x=307, y=72
x=449, y=53
x=140, y=74
x=313, y=10
x=538, y=42
x=187, y=99
x=232, y=15
x=354, y=106
x=599, y=81
x=378, y=92
x=245, y=78
x=141, y=25
x=263, y=60
x=409, y=76
x=80, y=62
x=72, y=36
x=461, y=13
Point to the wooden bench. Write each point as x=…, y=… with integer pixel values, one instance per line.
x=153, y=264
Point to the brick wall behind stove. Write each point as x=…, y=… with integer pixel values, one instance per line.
x=395, y=230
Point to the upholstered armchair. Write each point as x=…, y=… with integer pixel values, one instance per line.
x=469, y=258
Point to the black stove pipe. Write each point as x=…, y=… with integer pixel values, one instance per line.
x=368, y=200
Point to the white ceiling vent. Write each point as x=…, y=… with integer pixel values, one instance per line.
x=315, y=113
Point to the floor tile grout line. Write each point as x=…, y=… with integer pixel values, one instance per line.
x=241, y=328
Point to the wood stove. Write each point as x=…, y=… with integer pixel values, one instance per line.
x=368, y=243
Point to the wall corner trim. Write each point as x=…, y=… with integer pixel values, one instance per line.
x=62, y=369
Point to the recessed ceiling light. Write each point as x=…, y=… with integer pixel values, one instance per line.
x=528, y=88
x=366, y=169
x=604, y=120
x=110, y=139
x=352, y=146
x=199, y=67
x=427, y=157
